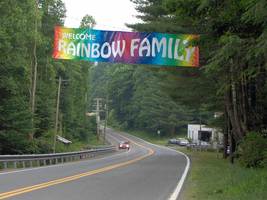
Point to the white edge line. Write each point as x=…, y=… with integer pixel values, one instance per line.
x=59, y=165
x=113, y=137
x=173, y=196
x=70, y=163
x=180, y=184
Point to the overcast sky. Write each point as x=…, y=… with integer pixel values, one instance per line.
x=109, y=14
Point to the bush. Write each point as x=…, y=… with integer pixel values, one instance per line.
x=253, y=150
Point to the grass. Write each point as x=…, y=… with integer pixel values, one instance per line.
x=213, y=178
x=77, y=145
x=152, y=138
x=148, y=137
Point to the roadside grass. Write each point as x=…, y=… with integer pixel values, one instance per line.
x=77, y=145
x=155, y=139
x=152, y=138
x=215, y=178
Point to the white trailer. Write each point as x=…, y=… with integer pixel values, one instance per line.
x=204, y=133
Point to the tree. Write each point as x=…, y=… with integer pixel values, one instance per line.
x=88, y=22
x=233, y=57
x=51, y=13
x=138, y=101
x=14, y=80
x=20, y=33
x=152, y=107
x=120, y=91
x=186, y=86
x=241, y=66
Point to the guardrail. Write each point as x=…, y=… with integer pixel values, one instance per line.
x=36, y=160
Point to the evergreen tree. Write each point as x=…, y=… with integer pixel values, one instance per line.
x=137, y=101
x=120, y=91
x=15, y=45
x=233, y=52
x=17, y=62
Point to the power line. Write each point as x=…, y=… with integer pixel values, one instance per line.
x=26, y=61
x=53, y=25
x=100, y=24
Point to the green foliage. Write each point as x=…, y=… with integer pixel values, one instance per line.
x=215, y=178
x=253, y=150
x=156, y=18
x=15, y=45
x=138, y=98
x=17, y=35
x=232, y=61
x=232, y=43
x=113, y=121
x=14, y=125
x=88, y=22
x=120, y=90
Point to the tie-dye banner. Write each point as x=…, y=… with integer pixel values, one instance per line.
x=125, y=47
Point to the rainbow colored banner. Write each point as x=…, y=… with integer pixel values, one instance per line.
x=125, y=47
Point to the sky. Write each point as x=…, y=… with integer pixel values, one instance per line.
x=108, y=14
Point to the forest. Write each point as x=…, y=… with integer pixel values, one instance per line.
x=231, y=78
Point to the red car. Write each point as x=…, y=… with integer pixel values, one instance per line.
x=124, y=145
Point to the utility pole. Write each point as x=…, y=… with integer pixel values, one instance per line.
x=97, y=115
x=58, y=96
x=106, y=114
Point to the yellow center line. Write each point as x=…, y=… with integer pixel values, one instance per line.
x=132, y=141
x=70, y=178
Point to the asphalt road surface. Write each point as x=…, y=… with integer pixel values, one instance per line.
x=145, y=172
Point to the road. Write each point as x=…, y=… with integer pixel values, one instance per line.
x=145, y=172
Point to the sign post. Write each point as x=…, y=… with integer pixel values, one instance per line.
x=158, y=134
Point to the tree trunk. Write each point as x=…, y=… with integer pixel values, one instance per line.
x=85, y=103
x=232, y=147
x=236, y=122
x=229, y=108
x=226, y=133
x=30, y=135
x=244, y=104
x=172, y=128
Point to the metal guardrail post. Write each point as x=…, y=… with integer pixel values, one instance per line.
x=23, y=164
x=5, y=165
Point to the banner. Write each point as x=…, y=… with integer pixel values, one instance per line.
x=125, y=47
